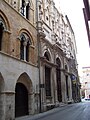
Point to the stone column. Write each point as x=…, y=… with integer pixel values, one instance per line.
x=41, y=36
x=63, y=86
x=31, y=103
x=2, y=116
x=55, y=87
x=42, y=87
x=7, y=105
x=70, y=88
x=25, y=44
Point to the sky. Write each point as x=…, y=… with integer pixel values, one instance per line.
x=73, y=9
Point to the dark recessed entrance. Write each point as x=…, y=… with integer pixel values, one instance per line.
x=21, y=100
x=58, y=78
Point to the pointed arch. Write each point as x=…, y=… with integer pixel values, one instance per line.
x=28, y=34
x=26, y=44
x=4, y=31
x=23, y=92
x=58, y=56
x=47, y=54
x=25, y=79
x=4, y=20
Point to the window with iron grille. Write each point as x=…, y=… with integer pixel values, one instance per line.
x=47, y=81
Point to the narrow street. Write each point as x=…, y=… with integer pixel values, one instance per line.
x=78, y=111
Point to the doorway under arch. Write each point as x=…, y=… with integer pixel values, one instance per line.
x=21, y=100
x=58, y=78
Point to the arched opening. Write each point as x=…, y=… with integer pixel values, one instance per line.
x=24, y=46
x=21, y=100
x=47, y=76
x=58, y=78
x=66, y=79
x=4, y=32
x=46, y=55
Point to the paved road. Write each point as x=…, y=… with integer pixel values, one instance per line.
x=78, y=111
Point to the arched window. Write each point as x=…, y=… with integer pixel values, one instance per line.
x=46, y=56
x=47, y=76
x=24, y=46
x=2, y=27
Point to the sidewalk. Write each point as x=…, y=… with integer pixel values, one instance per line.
x=41, y=115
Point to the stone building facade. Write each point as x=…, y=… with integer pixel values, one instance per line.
x=19, y=81
x=57, y=52
x=37, y=45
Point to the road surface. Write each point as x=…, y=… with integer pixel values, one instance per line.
x=76, y=111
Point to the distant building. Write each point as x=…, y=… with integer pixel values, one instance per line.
x=86, y=81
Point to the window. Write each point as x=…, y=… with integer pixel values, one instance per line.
x=27, y=11
x=47, y=18
x=46, y=56
x=25, y=8
x=47, y=81
x=66, y=68
x=24, y=47
x=1, y=34
x=53, y=25
x=47, y=76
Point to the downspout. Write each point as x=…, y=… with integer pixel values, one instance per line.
x=38, y=45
